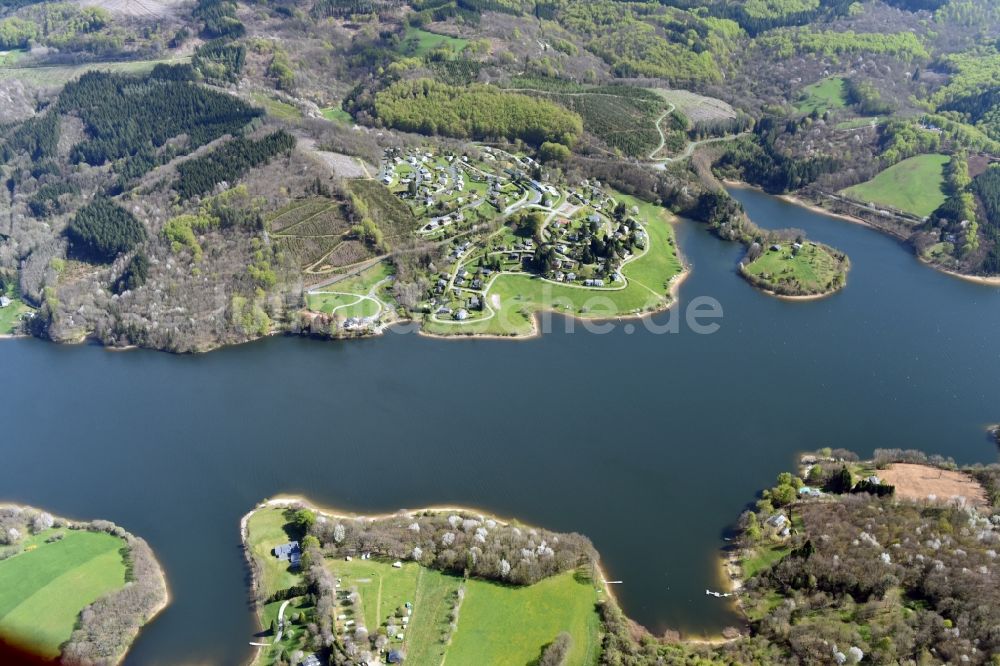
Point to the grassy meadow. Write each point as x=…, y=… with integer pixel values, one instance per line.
x=823, y=96
x=60, y=75
x=915, y=185
x=418, y=43
x=44, y=588
x=511, y=625
x=809, y=270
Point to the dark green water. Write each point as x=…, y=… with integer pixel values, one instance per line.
x=649, y=444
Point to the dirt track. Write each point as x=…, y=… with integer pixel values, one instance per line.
x=918, y=482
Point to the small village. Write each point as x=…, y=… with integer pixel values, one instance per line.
x=578, y=236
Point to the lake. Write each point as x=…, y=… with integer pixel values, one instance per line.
x=649, y=444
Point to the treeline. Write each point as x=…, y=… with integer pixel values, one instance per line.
x=348, y=8
x=102, y=230
x=864, y=96
x=786, y=43
x=220, y=60
x=474, y=112
x=229, y=162
x=130, y=119
x=973, y=90
x=987, y=187
x=459, y=543
x=854, y=564
x=104, y=629
x=107, y=627
x=757, y=16
x=57, y=24
x=218, y=19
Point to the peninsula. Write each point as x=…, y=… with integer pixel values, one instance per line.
x=76, y=592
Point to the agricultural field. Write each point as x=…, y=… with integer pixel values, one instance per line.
x=499, y=624
x=798, y=269
x=914, y=186
x=44, y=587
x=823, y=96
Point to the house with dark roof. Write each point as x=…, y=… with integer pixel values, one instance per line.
x=289, y=552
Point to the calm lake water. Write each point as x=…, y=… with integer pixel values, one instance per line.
x=649, y=444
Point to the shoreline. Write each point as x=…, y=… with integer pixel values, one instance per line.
x=289, y=501
x=537, y=314
x=989, y=281
x=603, y=586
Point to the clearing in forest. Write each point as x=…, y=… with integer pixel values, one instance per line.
x=919, y=482
x=915, y=185
x=822, y=96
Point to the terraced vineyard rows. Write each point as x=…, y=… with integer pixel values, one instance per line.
x=313, y=230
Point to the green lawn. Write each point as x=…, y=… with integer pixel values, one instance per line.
x=510, y=625
x=523, y=295
x=763, y=558
x=269, y=527
x=810, y=270
x=43, y=590
x=346, y=305
x=363, y=282
x=419, y=42
x=830, y=93
x=914, y=185
x=356, y=285
x=275, y=108
x=10, y=316
x=337, y=114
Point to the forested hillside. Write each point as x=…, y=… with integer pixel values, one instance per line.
x=129, y=122
x=227, y=110
x=475, y=112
